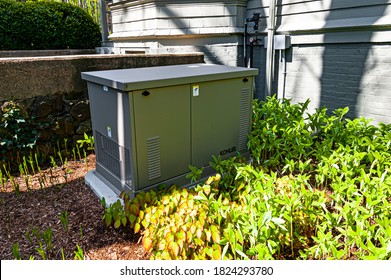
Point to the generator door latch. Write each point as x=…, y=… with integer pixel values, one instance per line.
x=196, y=90
x=146, y=93
x=109, y=131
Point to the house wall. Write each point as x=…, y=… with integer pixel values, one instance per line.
x=340, y=54
x=162, y=26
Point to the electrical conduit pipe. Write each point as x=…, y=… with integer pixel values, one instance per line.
x=270, y=48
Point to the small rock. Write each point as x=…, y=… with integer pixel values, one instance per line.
x=80, y=111
x=44, y=105
x=84, y=127
x=65, y=126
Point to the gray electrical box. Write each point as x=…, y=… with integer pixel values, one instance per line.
x=281, y=42
x=150, y=124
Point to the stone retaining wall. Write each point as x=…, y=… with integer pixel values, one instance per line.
x=32, y=53
x=50, y=91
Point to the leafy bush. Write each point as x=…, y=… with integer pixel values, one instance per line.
x=18, y=132
x=319, y=187
x=176, y=224
x=279, y=132
x=46, y=25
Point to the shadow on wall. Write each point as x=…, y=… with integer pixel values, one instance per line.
x=259, y=51
x=345, y=65
x=180, y=23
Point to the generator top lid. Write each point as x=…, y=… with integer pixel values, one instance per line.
x=160, y=76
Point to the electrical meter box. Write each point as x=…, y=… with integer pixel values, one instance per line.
x=150, y=124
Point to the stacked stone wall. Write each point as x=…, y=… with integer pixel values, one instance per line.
x=52, y=96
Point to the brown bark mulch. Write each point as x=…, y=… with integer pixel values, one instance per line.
x=35, y=218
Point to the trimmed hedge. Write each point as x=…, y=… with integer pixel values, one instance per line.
x=46, y=25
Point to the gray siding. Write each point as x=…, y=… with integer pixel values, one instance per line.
x=340, y=75
x=294, y=16
x=166, y=26
x=162, y=18
x=340, y=54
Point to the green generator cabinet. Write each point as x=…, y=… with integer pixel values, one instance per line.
x=150, y=124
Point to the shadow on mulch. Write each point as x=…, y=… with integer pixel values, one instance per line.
x=32, y=219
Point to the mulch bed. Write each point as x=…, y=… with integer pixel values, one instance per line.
x=28, y=216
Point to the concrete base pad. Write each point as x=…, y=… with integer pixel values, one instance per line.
x=101, y=187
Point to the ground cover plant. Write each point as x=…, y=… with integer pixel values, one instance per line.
x=318, y=187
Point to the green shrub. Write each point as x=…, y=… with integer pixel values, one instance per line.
x=175, y=223
x=18, y=132
x=46, y=25
x=319, y=187
x=279, y=132
x=262, y=217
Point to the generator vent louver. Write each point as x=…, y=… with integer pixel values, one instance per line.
x=153, y=156
x=245, y=118
x=108, y=155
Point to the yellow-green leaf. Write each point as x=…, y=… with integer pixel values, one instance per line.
x=170, y=238
x=190, y=203
x=193, y=229
x=108, y=219
x=141, y=214
x=208, y=235
x=124, y=221
x=197, y=241
x=216, y=236
x=117, y=223
x=216, y=255
x=185, y=193
x=166, y=256
x=165, y=200
x=174, y=249
x=207, y=189
x=131, y=218
x=199, y=233
x=147, y=243
x=154, y=219
x=181, y=234
x=137, y=228
x=162, y=245
x=208, y=251
x=189, y=237
x=144, y=223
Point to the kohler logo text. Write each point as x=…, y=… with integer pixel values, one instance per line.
x=228, y=151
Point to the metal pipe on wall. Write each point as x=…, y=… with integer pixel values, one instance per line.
x=103, y=21
x=245, y=44
x=252, y=39
x=270, y=48
x=283, y=71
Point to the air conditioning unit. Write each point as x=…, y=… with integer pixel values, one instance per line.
x=150, y=124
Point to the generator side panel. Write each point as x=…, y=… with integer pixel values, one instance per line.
x=220, y=118
x=111, y=119
x=162, y=132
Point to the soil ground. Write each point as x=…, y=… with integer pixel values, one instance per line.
x=35, y=218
